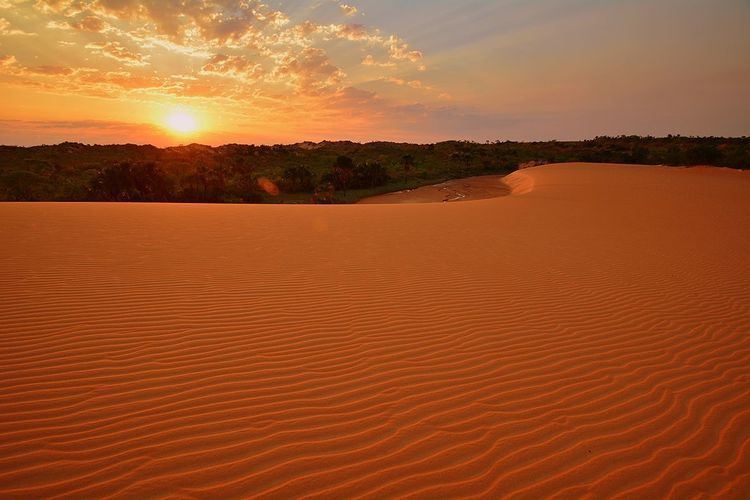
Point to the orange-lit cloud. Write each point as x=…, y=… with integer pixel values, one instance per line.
x=118, y=52
x=266, y=71
x=6, y=29
x=232, y=66
x=240, y=60
x=348, y=10
x=92, y=24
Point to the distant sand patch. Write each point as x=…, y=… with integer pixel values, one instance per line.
x=468, y=189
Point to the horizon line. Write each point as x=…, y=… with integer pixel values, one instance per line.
x=497, y=141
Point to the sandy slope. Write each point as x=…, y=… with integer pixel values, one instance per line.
x=588, y=334
x=469, y=189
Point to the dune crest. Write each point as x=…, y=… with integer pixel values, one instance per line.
x=519, y=182
x=586, y=339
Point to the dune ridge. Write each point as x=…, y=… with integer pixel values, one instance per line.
x=585, y=336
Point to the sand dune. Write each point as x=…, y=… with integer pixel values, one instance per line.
x=469, y=189
x=586, y=335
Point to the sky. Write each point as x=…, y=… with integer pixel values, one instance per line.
x=170, y=72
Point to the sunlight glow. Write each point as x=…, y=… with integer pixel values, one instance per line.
x=182, y=122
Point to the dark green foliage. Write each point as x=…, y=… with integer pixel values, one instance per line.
x=341, y=174
x=673, y=156
x=344, y=162
x=298, y=179
x=130, y=182
x=703, y=154
x=23, y=185
x=229, y=173
x=737, y=157
x=345, y=175
x=369, y=175
x=639, y=155
x=407, y=164
x=243, y=186
x=463, y=158
x=213, y=185
x=324, y=194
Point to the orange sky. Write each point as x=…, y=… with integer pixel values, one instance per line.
x=103, y=71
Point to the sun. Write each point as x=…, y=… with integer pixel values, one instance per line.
x=182, y=122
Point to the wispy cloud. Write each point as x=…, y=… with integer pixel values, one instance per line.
x=7, y=30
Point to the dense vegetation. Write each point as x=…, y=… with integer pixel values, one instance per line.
x=328, y=172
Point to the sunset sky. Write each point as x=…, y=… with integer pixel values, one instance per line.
x=216, y=71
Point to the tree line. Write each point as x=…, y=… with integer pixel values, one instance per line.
x=126, y=181
x=329, y=172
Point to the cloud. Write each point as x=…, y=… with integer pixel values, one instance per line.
x=399, y=50
x=415, y=84
x=310, y=71
x=7, y=60
x=58, y=25
x=118, y=52
x=233, y=66
x=366, y=111
x=49, y=70
x=217, y=21
x=7, y=30
x=351, y=32
x=10, y=64
x=87, y=81
x=121, y=80
x=370, y=61
x=91, y=24
x=348, y=10
x=243, y=55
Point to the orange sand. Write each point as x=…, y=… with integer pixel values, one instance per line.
x=472, y=188
x=587, y=335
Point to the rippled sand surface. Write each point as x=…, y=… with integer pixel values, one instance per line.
x=588, y=334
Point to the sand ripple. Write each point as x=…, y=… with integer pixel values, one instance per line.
x=585, y=336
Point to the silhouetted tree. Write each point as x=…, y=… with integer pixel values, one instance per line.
x=738, y=157
x=21, y=185
x=341, y=174
x=206, y=185
x=369, y=175
x=462, y=157
x=245, y=187
x=72, y=171
x=407, y=163
x=639, y=155
x=298, y=179
x=703, y=154
x=344, y=162
x=673, y=156
x=130, y=182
